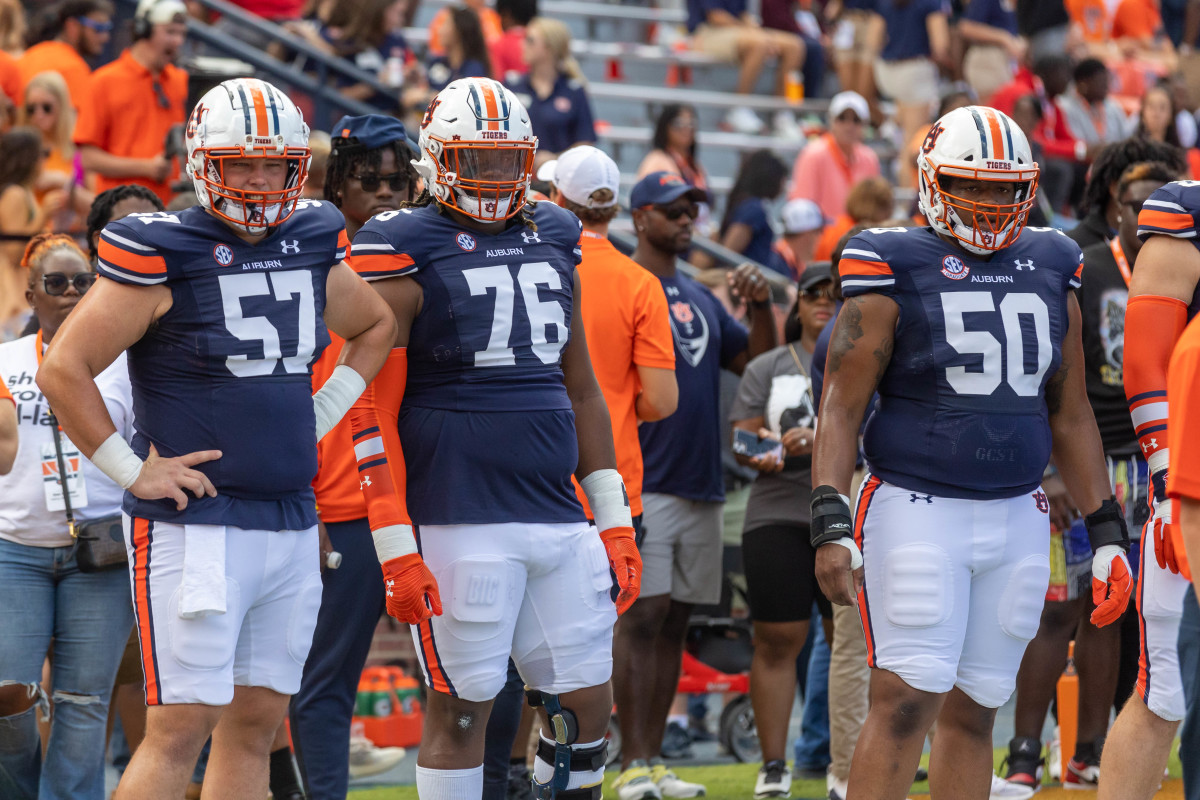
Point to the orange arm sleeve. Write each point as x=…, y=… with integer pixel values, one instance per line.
x=1152, y=326
x=381, y=470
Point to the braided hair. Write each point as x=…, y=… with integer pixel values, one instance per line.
x=101, y=212
x=1114, y=159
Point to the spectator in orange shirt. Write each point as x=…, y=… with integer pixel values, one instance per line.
x=132, y=104
x=870, y=203
x=48, y=108
x=489, y=20
x=80, y=31
x=1132, y=30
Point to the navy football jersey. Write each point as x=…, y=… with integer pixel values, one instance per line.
x=1174, y=210
x=228, y=366
x=961, y=409
x=486, y=425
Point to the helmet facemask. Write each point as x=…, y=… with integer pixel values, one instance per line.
x=486, y=180
x=254, y=211
x=980, y=227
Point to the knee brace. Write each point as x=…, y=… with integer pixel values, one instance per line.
x=563, y=769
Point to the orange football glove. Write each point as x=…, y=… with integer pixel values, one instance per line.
x=626, y=562
x=1164, y=538
x=1112, y=584
x=412, y=591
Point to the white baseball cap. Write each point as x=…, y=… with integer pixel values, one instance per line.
x=160, y=12
x=801, y=216
x=579, y=172
x=852, y=101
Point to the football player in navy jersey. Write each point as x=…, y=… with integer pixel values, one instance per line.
x=223, y=308
x=499, y=408
x=971, y=333
x=1164, y=295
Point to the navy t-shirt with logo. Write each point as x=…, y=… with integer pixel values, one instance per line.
x=682, y=453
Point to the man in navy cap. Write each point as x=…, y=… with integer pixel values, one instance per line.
x=368, y=173
x=682, y=490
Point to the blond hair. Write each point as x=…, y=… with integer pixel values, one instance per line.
x=64, y=124
x=558, y=39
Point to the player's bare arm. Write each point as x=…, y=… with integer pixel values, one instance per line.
x=360, y=316
x=859, y=353
x=1166, y=267
x=1077, y=450
x=748, y=283
x=659, y=396
x=110, y=318
x=593, y=427
x=404, y=297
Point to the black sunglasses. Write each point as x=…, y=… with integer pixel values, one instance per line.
x=397, y=181
x=45, y=108
x=55, y=283
x=815, y=293
x=675, y=212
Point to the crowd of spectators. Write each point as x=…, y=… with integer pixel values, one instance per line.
x=1106, y=93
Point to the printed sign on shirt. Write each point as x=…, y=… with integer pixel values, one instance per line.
x=50, y=483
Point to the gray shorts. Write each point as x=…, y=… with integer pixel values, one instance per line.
x=681, y=549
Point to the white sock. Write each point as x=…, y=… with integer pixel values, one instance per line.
x=679, y=719
x=543, y=771
x=450, y=784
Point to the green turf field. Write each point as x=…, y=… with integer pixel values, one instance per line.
x=736, y=782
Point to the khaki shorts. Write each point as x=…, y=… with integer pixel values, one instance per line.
x=681, y=549
x=910, y=81
x=850, y=37
x=718, y=41
x=986, y=68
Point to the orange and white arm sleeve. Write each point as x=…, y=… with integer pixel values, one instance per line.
x=381, y=470
x=1153, y=325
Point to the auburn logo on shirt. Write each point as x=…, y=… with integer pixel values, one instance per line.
x=682, y=312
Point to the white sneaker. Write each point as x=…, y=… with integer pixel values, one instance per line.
x=1003, y=790
x=743, y=120
x=837, y=789
x=635, y=783
x=1054, y=759
x=774, y=780
x=785, y=126
x=671, y=785
x=366, y=759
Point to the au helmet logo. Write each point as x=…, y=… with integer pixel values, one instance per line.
x=223, y=255
x=954, y=268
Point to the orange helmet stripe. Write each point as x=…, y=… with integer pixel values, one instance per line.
x=997, y=136
x=489, y=102
x=260, y=111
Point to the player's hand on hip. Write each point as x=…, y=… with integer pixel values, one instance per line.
x=174, y=478
x=626, y=563
x=839, y=571
x=1112, y=584
x=1164, y=540
x=1063, y=512
x=411, y=589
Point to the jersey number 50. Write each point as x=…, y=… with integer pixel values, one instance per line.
x=983, y=343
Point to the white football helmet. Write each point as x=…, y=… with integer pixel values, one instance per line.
x=240, y=119
x=477, y=149
x=980, y=144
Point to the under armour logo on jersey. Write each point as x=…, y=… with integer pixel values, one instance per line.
x=1043, y=502
x=290, y=247
x=1150, y=445
x=1022, y=265
x=530, y=237
x=914, y=497
x=365, y=482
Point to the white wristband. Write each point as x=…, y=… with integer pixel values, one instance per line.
x=394, y=541
x=116, y=459
x=333, y=400
x=1159, y=460
x=605, y=492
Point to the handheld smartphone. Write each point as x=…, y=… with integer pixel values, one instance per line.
x=748, y=444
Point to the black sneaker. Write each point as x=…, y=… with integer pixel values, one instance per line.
x=1024, y=761
x=676, y=743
